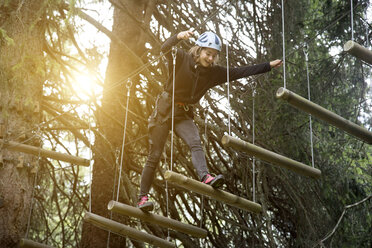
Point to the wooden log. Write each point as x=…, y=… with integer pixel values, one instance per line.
x=269, y=156
x=18, y=147
x=358, y=51
x=324, y=114
x=156, y=219
x=124, y=230
x=219, y=195
x=26, y=243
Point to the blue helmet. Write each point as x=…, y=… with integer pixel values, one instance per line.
x=209, y=39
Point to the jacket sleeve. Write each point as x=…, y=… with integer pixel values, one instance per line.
x=166, y=48
x=240, y=72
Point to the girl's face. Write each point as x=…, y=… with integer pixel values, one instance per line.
x=208, y=56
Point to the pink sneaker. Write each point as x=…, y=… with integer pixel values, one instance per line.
x=144, y=204
x=215, y=182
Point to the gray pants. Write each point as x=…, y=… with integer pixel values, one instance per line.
x=186, y=130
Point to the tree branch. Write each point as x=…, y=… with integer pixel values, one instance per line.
x=320, y=243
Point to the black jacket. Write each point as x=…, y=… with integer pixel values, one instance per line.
x=192, y=81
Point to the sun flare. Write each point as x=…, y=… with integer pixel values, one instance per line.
x=86, y=85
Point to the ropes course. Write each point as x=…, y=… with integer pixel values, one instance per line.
x=122, y=229
x=228, y=140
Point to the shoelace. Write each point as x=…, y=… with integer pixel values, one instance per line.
x=208, y=179
x=143, y=200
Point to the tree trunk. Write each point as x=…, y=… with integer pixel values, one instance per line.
x=21, y=77
x=121, y=63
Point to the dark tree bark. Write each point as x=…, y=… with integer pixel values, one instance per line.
x=21, y=77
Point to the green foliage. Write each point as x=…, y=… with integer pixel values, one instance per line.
x=338, y=83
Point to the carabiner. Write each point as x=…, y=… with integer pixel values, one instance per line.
x=174, y=53
x=129, y=83
x=306, y=52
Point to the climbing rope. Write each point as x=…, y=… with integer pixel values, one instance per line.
x=129, y=85
x=205, y=143
x=117, y=153
x=31, y=207
x=166, y=191
x=308, y=96
x=366, y=25
x=174, y=56
x=228, y=85
x=253, y=140
x=91, y=159
x=33, y=186
x=352, y=19
x=283, y=36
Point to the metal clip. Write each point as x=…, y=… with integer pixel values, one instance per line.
x=129, y=85
x=174, y=53
x=306, y=52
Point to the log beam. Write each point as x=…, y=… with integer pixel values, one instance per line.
x=19, y=147
x=219, y=195
x=125, y=230
x=358, y=51
x=156, y=219
x=271, y=157
x=26, y=243
x=324, y=114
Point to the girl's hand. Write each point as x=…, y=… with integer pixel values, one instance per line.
x=276, y=63
x=185, y=35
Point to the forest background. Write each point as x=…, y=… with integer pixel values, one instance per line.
x=66, y=68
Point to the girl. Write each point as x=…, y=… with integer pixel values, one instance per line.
x=196, y=72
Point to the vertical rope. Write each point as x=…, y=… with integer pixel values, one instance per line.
x=352, y=19
x=367, y=34
x=366, y=25
x=129, y=84
x=174, y=54
x=228, y=85
x=283, y=36
x=33, y=186
x=308, y=96
x=205, y=142
x=31, y=207
x=117, y=153
x=90, y=161
x=254, y=158
x=166, y=193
